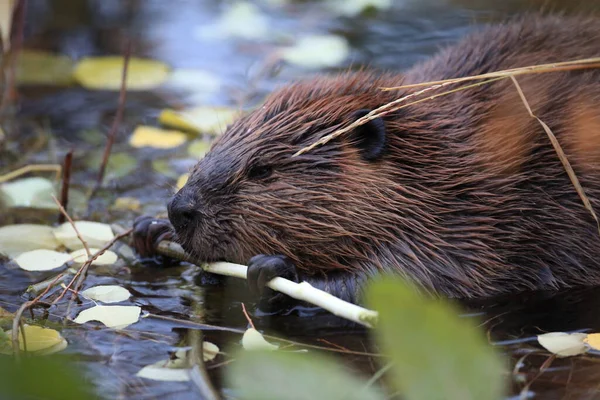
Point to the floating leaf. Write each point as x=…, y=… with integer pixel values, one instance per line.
x=209, y=351
x=36, y=67
x=107, y=258
x=352, y=8
x=119, y=164
x=254, y=340
x=202, y=119
x=593, y=341
x=563, y=344
x=149, y=136
x=95, y=234
x=242, y=19
x=105, y=73
x=32, y=192
x=41, y=341
x=107, y=293
x=17, y=239
x=198, y=148
x=117, y=317
x=42, y=260
x=174, y=370
x=317, y=51
x=127, y=203
x=435, y=354
x=261, y=375
x=182, y=180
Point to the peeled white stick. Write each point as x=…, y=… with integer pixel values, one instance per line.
x=303, y=291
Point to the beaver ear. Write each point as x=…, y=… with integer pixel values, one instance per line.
x=370, y=137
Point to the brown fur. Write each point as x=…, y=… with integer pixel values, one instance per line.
x=469, y=198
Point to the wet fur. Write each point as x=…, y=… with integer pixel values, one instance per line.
x=467, y=199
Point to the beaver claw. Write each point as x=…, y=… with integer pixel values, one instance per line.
x=147, y=233
x=261, y=269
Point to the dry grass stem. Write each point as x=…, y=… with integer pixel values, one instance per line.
x=585, y=63
x=57, y=168
x=68, y=217
x=561, y=155
x=391, y=107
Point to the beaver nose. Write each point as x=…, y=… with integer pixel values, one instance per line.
x=182, y=211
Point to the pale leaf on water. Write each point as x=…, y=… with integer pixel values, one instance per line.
x=182, y=180
x=173, y=369
x=209, y=351
x=317, y=51
x=149, y=136
x=105, y=73
x=107, y=258
x=354, y=7
x=40, y=341
x=17, y=239
x=563, y=344
x=34, y=192
x=117, y=317
x=241, y=20
x=41, y=260
x=254, y=340
x=107, y=293
x=201, y=119
x=95, y=234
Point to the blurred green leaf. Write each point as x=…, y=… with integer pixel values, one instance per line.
x=119, y=164
x=42, y=378
x=265, y=375
x=41, y=68
x=436, y=354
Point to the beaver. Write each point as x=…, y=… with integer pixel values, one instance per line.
x=462, y=195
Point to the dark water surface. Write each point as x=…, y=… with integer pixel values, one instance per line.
x=50, y=121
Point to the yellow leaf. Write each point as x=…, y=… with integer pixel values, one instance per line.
x=107, y=258
x=36, y=67
x=42, y=260
x=254, y=340
x=40, y=340
x=593, y=340
x=148, y=136
x=127, y=203
x=182, y=180
x=563, y=344
x=202, y=119
x=105, y=73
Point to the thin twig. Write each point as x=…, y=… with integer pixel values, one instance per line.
x=116, y=122
x=68, y=217
x=247, y=316
x=66, y=179
x=561, y=155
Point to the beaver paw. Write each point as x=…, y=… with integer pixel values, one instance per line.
x=147, y=233
x=263, y=268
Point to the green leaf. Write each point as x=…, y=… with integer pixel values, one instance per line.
x=436, y=354
x=41, y=68
x=265, y=375
x=54, y=380
x=119, y=164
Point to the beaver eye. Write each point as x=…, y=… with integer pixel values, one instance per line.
x=260, y=172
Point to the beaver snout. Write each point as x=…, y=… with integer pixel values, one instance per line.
x=183, y=211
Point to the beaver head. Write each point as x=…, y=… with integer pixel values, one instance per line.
x=250, y=196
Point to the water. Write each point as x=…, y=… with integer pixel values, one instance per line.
x=50, y=121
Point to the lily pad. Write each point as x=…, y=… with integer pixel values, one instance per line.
x=32, y=192
x=105, y=73
x=107, y=258
x=36, y=67
x=149, y=136
x=42, y=260
x=17, y=239
x=107, y=293
x=202, y=119
x=119, y=164
x=95, y=234
x=117, y=317
x=318, y=51
x=41, y=341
